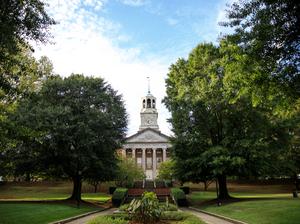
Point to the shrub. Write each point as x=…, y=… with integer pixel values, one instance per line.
x=174, y=215
x=183, y=217
x=169, y=183
x=119, y=196
x=112, y=190
x=145, y=210
x=168, y=207
x=191, y=219
x=179, y=196
x=107, y=220
x=123, y=207
x=186, y=190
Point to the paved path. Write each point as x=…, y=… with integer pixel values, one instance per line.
x=85, y=219
x=206, y=218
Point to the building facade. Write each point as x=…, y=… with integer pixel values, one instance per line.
x=148, y=147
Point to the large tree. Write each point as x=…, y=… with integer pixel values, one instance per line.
x=218, y=132
x=20, y=79
x=269, y=31
x=22, y=21
x=77, y=123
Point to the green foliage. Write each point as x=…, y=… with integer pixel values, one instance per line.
x=179, y=196
x=128, y=171
x=146, y=210
x=166, y=170
x=119, y=196
x=20, y=74
x=219, y=130
x=174, y=215
x=19, y=78
x=107, y=220
x=177, y=193
x=269, y=32
x=77, y=119
x=185, y=189
x=168, y=207
x=123, y=207
x=22, y=22
x=183, y=217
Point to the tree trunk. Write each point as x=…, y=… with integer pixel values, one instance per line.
x=223, y=191
x=95, y=187
x=205, y=185
x=27, y=177
x=297, y=182
x=76, y=194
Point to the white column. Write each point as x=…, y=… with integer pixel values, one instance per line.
x=154, y=162
x=123, y=152
x=144, y=159
x=164, y=154
x=133, y=154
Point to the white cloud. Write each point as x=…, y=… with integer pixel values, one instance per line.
x=134, y=3
x=85, y=43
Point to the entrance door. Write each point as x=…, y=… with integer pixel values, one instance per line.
x=149, y=175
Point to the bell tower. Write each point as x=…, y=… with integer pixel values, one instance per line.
x=149, y=113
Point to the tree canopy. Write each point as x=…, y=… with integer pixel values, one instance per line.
x=269, y=31
x=76, y=124
x=22, y=21
x=128, y=172
x=217, y=132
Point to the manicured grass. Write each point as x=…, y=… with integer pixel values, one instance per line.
x=273, y=211
x=55, y=191
x=197, y=197
x=38, y=213
x=99, y=197
x=34, y=192
x=275, y=208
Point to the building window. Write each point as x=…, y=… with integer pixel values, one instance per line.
x=153, y=103
x=144, y=103
x=128, y=153
x=168, y=153
x=148, y=103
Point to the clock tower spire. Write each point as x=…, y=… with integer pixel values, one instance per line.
x=149, y=113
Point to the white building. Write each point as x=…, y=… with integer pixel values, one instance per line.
x=148, y=147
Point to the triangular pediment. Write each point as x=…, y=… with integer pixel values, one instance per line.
x=148, y=135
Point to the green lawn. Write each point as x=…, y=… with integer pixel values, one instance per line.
x=38, y=213
x=197, y=197
x=56, y=191
x=276, y=208
x=274, y=211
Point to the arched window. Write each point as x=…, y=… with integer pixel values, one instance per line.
x=148, y=103
x=153, y=103
x=144, y=103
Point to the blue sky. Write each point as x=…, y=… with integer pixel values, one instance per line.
x=125, y=41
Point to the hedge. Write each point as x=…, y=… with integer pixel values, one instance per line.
x=118, y=196
x=186, y=190
x=179, y=196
